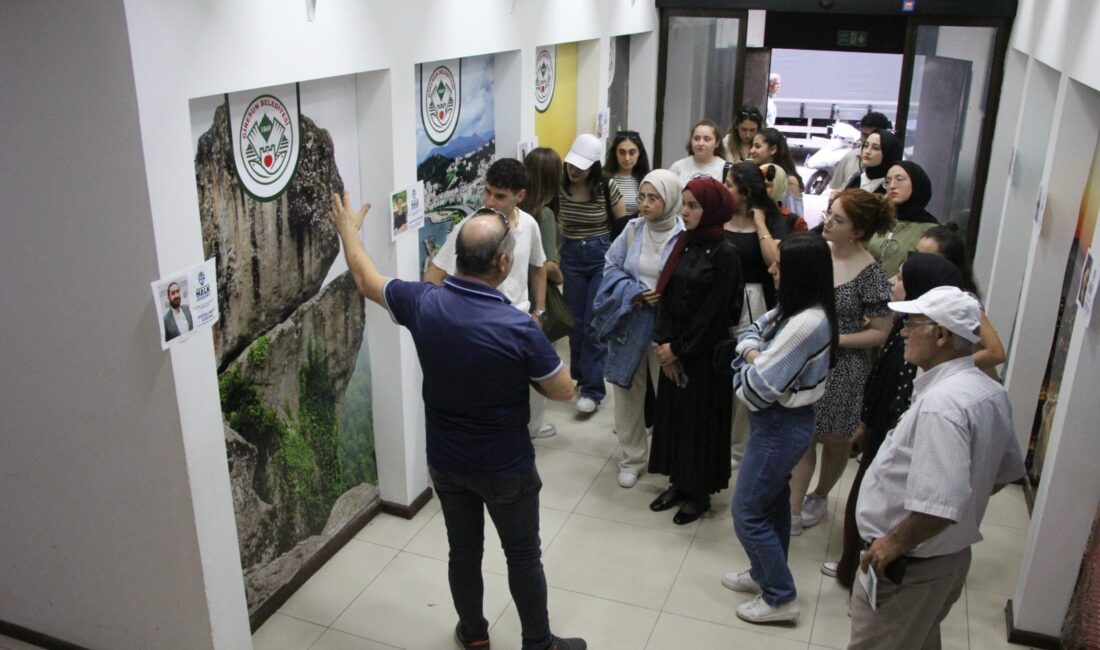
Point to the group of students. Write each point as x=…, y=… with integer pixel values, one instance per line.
x=755, y=336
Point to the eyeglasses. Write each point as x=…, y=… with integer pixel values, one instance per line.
x=830, y=220
x=646, y=198
x=909, y=324
x=485, y=210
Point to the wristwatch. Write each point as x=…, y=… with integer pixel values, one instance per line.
x=540, y=314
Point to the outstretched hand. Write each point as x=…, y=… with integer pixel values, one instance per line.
x=341, y=213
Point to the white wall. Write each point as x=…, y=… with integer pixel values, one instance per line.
x=1050, y=115
x=117, y=531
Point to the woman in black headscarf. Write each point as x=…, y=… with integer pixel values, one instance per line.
x=700, y=293
x=910, y=190
x=880, y=151
x=887, y=393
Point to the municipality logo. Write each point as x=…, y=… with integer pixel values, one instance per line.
x=544, y=79
x=266, y=139
x=439, y=103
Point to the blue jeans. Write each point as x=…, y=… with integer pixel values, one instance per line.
x=582, y=263
x=761, y=502
x=513, y=504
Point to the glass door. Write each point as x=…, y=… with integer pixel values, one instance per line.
x=700, y=68
x=949, y=93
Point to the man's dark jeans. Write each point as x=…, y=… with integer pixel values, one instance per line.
x=513, y=504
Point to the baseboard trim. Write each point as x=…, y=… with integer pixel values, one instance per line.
x=1024, y=637
x=407, y=511
x=27, y=635
x=264, y=610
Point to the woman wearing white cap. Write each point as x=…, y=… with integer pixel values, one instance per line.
x=588, y=203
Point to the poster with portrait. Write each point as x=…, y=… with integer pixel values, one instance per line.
x=1086, y=294
x=186, y=301
x=455, y=143
x=399, y=213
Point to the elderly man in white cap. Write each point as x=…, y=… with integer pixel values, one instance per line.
x=922, y=501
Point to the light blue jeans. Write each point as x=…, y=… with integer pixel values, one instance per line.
x=761, y=505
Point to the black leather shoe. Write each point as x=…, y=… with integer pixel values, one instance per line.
x=691, y=510
x=668, y=498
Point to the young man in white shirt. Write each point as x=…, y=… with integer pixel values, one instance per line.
x=525, y=286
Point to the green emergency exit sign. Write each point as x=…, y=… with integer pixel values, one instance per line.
x=851, y=38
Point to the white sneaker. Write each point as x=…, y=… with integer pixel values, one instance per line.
x=758, y=611
x=586, y=405
x=734, y=463
x=545, y=431
x=627, y=479
x=741, y=581
x=829, y=569
x=813, y=510
x=796, y=525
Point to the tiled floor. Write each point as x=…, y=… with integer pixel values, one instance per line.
x=619, y=575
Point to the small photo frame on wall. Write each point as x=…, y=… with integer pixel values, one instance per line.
x=399, y=213
x=186, y=301
x=1086, y=294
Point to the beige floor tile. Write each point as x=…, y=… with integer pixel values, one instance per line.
x=1008, y=508
x=986, y=613
x=334, y=640
x=593, y=435
x=285, y=633
x=606, y=500
x=566, y=476
x=717, y=525
x=431, y=541
x=396, y=532
x=604, y=624
x=955, y=629
x=832, y=626
x=331, y=590
x=996, y=560
x=409, y=605
x=698, y=591
x=620, y=562
x=675, y=632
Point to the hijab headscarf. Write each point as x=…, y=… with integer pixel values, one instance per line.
x=667, y=185
x=914, y=209
x=718, y=206
x=923, y=272
x=870, y=179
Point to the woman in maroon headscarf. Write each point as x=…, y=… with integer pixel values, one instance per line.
x=700, y=293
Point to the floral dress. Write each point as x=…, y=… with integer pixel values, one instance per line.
x=837, y=412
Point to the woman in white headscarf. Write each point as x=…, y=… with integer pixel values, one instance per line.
x=625, y=309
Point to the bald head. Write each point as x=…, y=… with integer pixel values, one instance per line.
x=481, y=242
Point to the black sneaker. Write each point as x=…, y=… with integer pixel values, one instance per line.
x=557, y=643
x=481, y=644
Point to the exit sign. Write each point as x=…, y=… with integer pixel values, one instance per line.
x=851, y=38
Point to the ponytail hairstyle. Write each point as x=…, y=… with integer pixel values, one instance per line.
x=952, y=247
x=871, y=214
x=782, y=157
x=748, y=180
x=719, y=148
x=544, y=172
x=805, y=281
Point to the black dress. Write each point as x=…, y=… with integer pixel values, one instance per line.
x=691, y=432
x=754, y=270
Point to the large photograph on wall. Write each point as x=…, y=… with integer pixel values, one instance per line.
x=293, y=365
x=455, y=142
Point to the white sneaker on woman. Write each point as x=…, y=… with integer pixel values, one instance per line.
x=758, y=611
x=829, y=569
x=813, y=510
x=741, y=581
x=586, y=405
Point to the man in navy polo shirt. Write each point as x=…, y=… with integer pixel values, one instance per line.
x=478, y=355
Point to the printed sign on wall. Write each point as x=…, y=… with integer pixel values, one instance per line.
x=545, y=78
x=441, y=99
x=266, y=136
x=186, y=301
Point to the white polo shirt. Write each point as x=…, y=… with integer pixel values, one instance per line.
x=943, y=458
x=528, y=252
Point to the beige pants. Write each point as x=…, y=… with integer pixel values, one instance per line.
x=908, y=616
x=630, y=414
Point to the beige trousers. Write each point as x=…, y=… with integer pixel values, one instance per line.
x=908, y=616
x=630, y=414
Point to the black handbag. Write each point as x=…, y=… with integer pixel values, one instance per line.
x=559, y=322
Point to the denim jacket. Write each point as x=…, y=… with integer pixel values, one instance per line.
x=626, y=327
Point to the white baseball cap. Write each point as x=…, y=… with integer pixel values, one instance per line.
x=950, y=307
x=586, y=150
